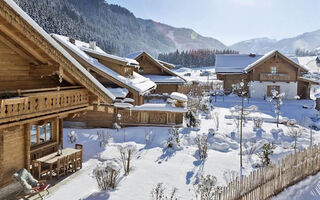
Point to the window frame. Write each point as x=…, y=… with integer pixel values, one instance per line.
x=274, y=70
x=39, y=134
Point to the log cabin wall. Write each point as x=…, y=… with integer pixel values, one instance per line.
x=17, y=73
x=149, y=67
x=166, y=88
x=286, y=70
x=230, y=79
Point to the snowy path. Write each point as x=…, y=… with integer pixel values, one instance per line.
x=308, y=189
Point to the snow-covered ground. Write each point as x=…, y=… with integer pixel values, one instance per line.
x=195, y=73
x=181, y=168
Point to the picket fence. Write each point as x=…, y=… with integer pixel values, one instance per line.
x=269, y=181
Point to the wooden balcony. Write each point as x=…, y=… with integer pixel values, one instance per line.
x=34, y=104
x=274, y=77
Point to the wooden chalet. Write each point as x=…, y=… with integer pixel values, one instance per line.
x=40, y=85
x=264, y=73
x=119, y=76
x=159, y=72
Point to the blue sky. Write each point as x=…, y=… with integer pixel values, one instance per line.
x=231, y=21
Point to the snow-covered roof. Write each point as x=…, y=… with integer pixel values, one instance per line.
x=234, y=63
x=47, y=37
x=123, y=105
x=168, y=64
x=268, y=55
x=164, y=79
x=241, y=63
x=137, y=82
x=99, y=51
x=179, y=96
x=159, y=64
x=119, y=92
x=309, y=62
x=159, y=107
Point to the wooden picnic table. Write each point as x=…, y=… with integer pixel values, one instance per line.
x=51, y=159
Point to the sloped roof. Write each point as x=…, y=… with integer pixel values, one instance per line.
x=137, y=83
x=169, y=65
x=309, y=62
x=136, y=55
x=270, y=54
x=164, y=79
x=99, y=88
x=234, y=63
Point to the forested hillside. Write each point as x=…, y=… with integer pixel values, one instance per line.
x=114, y=28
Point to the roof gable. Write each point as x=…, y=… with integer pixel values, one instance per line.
x=157, y=63
x=270, y=55
x=27, y=27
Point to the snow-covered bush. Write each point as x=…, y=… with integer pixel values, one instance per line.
x=192, y=119
x=294, y=132
x=127, y=151
x=202, y=144
x=103, y=137
x=72, y=137
x=205, y=105
x=116, y=126
x=266, y=152
x=251, y=148
x=148, y=137
x=206, y=188
x=173, y=138
x=107, y=175
x=276, y=100
x=158, y=193
x=211, y=132
x=257, y=122
x=230, y=175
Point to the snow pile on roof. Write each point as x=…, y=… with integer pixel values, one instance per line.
x=179, y=96
x=164, y=79
x=158, y=107
x=119, y=92
x=123, y=105
x=309, y=62
x=99, y=51
x=45, y=35
x=138, y=82
x=234, y=63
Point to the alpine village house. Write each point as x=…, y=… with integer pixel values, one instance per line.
x=48, y=78
x=264, y=73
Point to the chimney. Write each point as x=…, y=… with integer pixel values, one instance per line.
x=92, y=45
x=73, y=41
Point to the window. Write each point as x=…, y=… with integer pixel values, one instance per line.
x=40, y=133
x=273, y=70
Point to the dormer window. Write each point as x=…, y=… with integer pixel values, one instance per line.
x=273, y=70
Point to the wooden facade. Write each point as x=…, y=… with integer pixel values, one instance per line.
x=39, y=86
x=272, y=68
x=151, y=66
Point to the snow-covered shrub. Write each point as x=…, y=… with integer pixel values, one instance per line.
x=205, y=105
x=192, y=119
x=206, y=188
x=148, y=137
x=173, y=138
x=216, y=119
x=230, y=175
x=251, y=148
x=266, y=152
x=116, y=126
x=211, y=132
x=103, y=137
x=158, y=193
x=257, y=122
x=72, y=137
x=294, y=132
x=291, y=122
x=127, y=151
x=202, y=144
x=107, y=175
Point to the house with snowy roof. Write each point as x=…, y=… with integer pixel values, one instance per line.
x=41, y=85
x=159, y=72
x=120, y=77
x=263, y=74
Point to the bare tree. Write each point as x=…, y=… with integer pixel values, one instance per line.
x=277, y=100
x=127, y=151
x=202, y=144
x=295, y=132
x=158, y=193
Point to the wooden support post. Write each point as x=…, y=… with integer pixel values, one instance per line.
x=1, y=155
x=60, y=125
x=27, y=146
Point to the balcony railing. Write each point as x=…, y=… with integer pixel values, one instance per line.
x=274, y=77
x=34, y=104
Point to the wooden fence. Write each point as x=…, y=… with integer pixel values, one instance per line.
x=269, y=181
